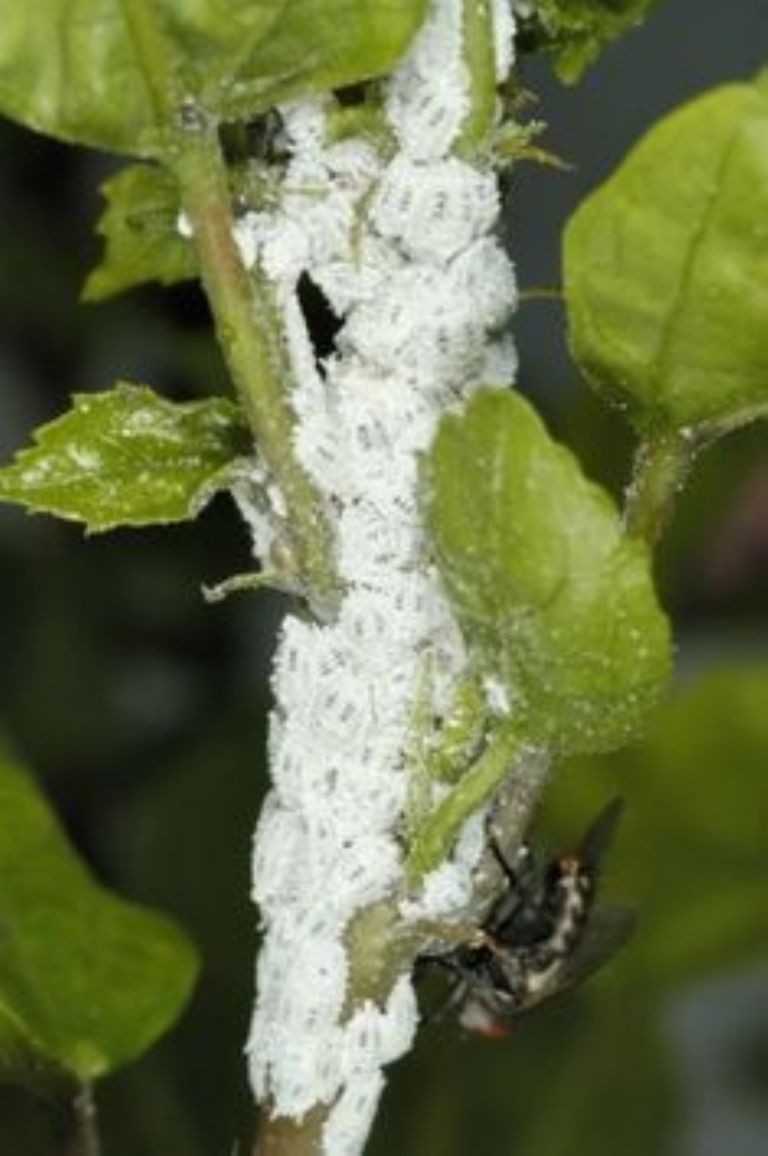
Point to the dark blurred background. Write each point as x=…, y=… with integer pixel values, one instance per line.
x=143, y=712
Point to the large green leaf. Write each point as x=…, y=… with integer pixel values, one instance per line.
x=127, y=458
x=88, y=981
x=140, y=228
x=78, y=69
x=559, y=605
x=577, y=31
x=69, y=68
x=666, y=269
x=75, y=69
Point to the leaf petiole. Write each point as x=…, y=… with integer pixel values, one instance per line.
x=432, y=841
x=84, y=1139
x=661, y=467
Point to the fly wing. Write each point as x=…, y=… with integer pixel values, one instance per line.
x=599, y=834
x=605, y=932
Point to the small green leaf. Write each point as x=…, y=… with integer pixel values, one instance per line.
x=88, y=981
x=79, y=69
x=666, y=270
x=127, y=458
x=140, y=227
x=559, y=606
x=577, y=31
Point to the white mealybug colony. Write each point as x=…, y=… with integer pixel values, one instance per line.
x=404, y=250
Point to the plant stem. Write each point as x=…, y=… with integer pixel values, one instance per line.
x=660, y=469
x=379, y=950
x=284, y=1136
x=84, y=1136
x=380, y=947
x=433, y=841
x=480, y=57
x=248, y=324
x=249, y=330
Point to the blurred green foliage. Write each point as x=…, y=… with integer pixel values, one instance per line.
x=87, y=981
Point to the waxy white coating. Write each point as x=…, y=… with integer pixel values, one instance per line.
x=406, y=255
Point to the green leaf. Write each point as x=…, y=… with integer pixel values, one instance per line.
x=666, y=270
x=577, y=31
x=140, y=227
x=127, y=458
x=316, y=46
x=70, y=69
x=558, y=604
x=79, y=69
x=88, y=981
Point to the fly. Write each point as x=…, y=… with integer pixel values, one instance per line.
x=543, y=934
